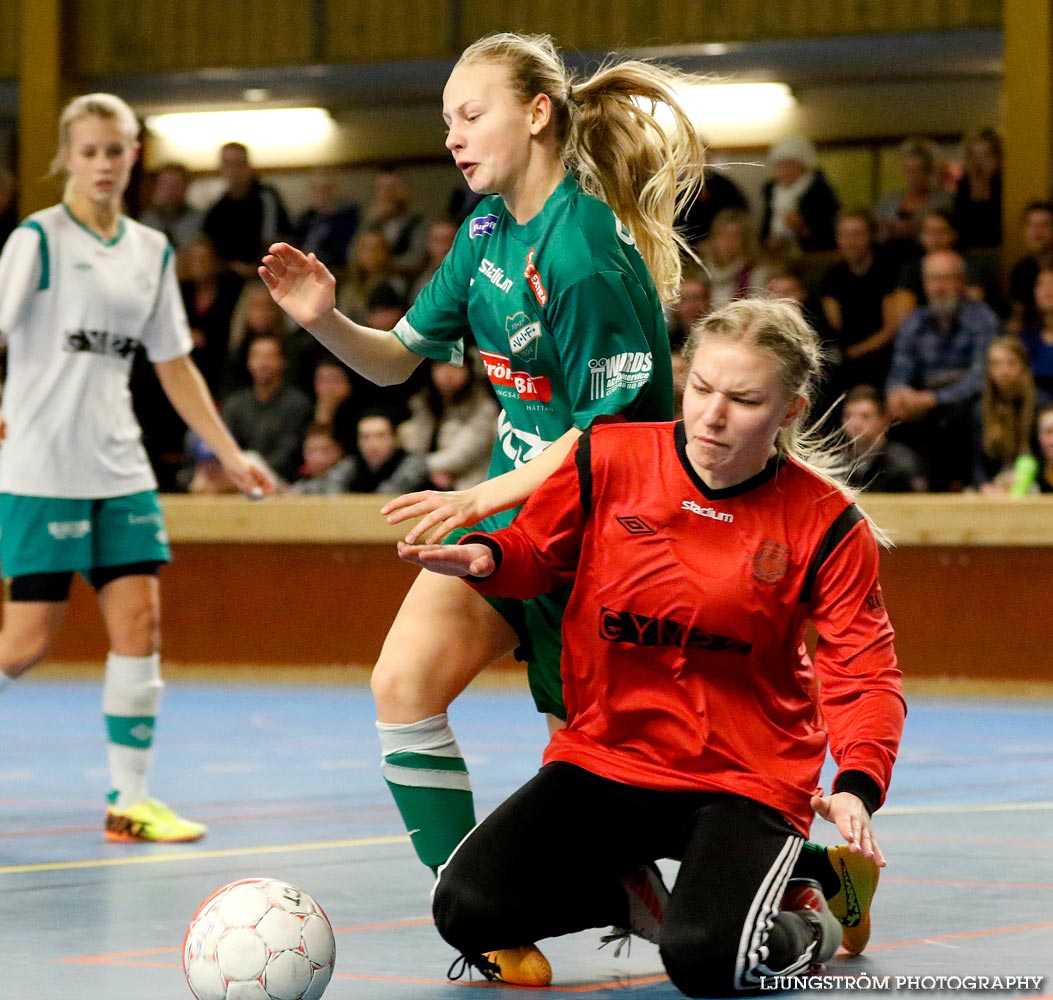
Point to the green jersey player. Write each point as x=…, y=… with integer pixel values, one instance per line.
x=559, y=277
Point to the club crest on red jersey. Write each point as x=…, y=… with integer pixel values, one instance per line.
x=770, y=562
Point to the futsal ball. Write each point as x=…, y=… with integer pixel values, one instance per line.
x=259, y=939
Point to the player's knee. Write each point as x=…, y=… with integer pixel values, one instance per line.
x=464, y=912
x=31, y=650
x=697, y=965
x=138, y=632
x=399, y=694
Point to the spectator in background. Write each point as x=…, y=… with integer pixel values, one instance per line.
x=1006, y=415
x=938, y=371
x=855, y=294
x=718, y=192
x=1038, y=238
x=937, y=233
x=370, y=266
x=453, y=424
x=1044, y=436
x=382, y=465
x=269, y=417
x=250, y=215
x=978, y=196
x=336, y=402
x=899, y=213
x=327, y=468
x=329, y=225
x=692, y=304
x=876, y=463
x=8, y=205
x=799, y=203
x=169, y=211
x=729, y=259
x=1038, y=339
x=404, y=230
x=786, y=283
x=210, y=294
x=462, y=203
x=441, y=233
x=255, y=315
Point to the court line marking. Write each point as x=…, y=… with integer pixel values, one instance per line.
x=194, y=855
x=940, y=938
x=965, y=808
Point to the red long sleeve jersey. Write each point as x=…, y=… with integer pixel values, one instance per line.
x=684, y=664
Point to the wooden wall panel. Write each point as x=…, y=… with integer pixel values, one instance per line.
x=374, y=30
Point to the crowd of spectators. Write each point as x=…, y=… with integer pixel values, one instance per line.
x=939, y=375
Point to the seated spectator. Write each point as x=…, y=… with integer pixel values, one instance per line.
x=799, y=203
x=876, y=463
x=938, y=371
x=441, y=234
x=1044, y=436
x=329, y=225
x=336, y=402
x=729, y=259
x=249, y=216
x=169, y=211
x=692, y=304
x=694, y=221
x=978, y=196
x=1006, y=415
x=404, y=230
x=255, y=314
x=210, y=295
x=855, y=294
x=204, y=473
x=1038, y=238
x=453, y=425
x=8, y=205
x=369, y=267
x=937, y=233
x=786, y=283
x=1038, y=339
x=327, y=469
x=269, y=417
x=382, y=466
x=899, y=213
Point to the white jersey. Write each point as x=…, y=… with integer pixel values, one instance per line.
x=73, y=309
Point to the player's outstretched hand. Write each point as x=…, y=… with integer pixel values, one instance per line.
x=251, y=477
x=450, y=560
x=847, y=812
x=439, y=513
x=300, y=283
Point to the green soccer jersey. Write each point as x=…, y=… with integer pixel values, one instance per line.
x=565, y=315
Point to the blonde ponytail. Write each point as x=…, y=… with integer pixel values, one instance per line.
x=608, y=130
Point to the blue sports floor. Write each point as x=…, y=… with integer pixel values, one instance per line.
x=287, y=779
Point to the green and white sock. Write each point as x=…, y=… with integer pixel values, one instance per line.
x=131, y=693
x=429, y=780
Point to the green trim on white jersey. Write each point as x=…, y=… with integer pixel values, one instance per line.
x=45, y=257
x=112, y=242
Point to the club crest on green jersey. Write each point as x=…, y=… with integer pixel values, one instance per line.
x=523, y=336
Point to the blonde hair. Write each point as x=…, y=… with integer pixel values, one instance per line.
x=777, y=328
x=1007, y=416
x=606, y=128
x=106, y=106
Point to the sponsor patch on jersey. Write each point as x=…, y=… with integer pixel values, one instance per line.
x=499, y=372
x=635, y=525
x=716, y=515
x=628, y=370
x=522, y=335
x=770, y=562
x=496, y=275
x=100, y=342
x=481, y=225
x=534, y=279
x=643, y=630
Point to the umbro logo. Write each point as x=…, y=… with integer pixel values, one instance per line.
x=635, y=525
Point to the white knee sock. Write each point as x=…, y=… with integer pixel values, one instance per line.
x=4, y=681
x=131, y=693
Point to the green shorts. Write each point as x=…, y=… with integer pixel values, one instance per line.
x=538, y=624
x=56, y=535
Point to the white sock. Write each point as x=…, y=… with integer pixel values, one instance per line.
x=131, y=693
x=4, y=681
